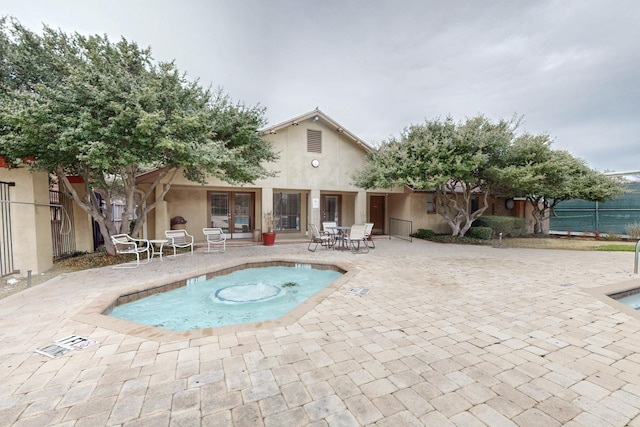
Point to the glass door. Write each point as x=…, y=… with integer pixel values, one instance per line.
x=330, y=208
x=220, y=211
x=242, y=215
x=233, y=212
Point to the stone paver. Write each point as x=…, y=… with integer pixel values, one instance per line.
x=448, y=335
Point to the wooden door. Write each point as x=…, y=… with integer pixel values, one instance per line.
x=377, y=213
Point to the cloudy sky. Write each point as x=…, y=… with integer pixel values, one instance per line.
x=571, y=68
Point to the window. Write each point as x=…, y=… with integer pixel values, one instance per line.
x=286, y=211
x=314, y=141
x=431, y=203
x=474, y=204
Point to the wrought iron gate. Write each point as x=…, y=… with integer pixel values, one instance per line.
x=62, y=228
x=6, y=238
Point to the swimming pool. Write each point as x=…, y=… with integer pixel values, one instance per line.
x=243, y=296
x=632, y=301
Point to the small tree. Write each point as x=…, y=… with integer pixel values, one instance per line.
x=457, y=161
x=84, y=106
x=547, y=177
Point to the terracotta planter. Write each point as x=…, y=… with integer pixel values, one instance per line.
x=268, y=238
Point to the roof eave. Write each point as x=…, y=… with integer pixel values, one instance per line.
x=310, y=115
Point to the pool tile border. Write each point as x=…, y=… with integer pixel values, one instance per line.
x=97, y=312
x=611, y=293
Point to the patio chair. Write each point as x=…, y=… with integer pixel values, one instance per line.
x=125, y=244
x=327, y=227
x=179, y=239
x=324, y=239
x=215, y=236
x=356, y=236
x=368, y=234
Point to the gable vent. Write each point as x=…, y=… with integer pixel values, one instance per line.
x=314, y=141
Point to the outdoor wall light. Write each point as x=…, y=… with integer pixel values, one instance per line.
x=315, y=163
x=294, y=123
x=316, y=118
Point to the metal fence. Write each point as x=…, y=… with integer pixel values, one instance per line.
x=612, y=216
x=6, y=238
x=400, y=228
x=62, y=228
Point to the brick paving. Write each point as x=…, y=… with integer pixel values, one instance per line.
x=448, y=336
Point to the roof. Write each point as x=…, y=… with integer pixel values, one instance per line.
x=316, y=115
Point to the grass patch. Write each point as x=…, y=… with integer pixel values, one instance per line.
x=615, y=248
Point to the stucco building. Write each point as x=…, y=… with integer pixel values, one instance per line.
x=313, y=183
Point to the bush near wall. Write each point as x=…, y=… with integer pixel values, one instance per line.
x=423, y=233
x=633, y=230
x=482, y=233
x=509, y=226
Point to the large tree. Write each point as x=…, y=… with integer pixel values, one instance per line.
x=457, y=160
x=84, y=106
x=546, y=177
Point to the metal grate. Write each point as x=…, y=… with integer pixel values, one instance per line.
x=62, y=227
x=400, y=228
x=314, y=141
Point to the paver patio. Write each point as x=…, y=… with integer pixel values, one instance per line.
x=448, y=336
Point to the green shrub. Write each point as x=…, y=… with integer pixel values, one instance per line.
x=509, y=226
x=482, y=233
x=423, y=233
x=448, y=238
x=633, y=230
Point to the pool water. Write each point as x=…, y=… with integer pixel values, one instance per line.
x=244, y=296
x=632, y=301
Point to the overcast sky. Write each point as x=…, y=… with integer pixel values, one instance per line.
x=571, y=68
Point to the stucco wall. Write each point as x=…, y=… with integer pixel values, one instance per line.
x=30, y=220
x=339, y=158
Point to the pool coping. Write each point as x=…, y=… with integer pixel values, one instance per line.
x=93, y=314
x=608, y=294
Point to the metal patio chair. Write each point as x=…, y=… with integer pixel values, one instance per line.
x=323, y=239
x=125, y=244
x=179, y=239
x=215, y=236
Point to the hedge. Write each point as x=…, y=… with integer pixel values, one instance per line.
x=509, y=226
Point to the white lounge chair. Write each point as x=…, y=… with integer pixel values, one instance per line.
x=179, y=239
x=324, y=239
x=125, y=244
x=215, y=236
x=355, y=237
x=368, y=234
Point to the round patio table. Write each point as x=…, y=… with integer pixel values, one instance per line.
x=342, y=231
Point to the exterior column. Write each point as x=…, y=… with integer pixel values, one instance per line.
x=267, y=206
x=360, y=207
x=162, y=220
x=314, y=209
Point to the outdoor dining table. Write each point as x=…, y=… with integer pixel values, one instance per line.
x=342, y=232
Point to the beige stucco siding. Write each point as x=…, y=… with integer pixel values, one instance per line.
x=30, y=220
x=339, y=158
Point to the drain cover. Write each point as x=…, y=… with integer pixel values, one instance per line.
x=75, y=342
x=64, y=345
x=358, y=291
x=53, y=350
